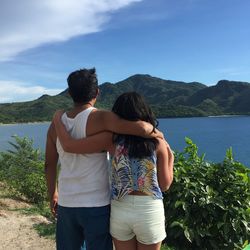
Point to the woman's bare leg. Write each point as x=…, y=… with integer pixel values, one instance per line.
x=125, y=245
x=141, y=246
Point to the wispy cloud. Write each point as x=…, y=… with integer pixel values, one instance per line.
x=27, y=24
x=11, y=91
x=232, y=71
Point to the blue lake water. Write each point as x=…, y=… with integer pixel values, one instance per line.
x=213, y=135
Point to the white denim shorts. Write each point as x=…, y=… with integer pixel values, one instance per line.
x=140, y=216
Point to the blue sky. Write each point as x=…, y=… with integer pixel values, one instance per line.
x=187, y=40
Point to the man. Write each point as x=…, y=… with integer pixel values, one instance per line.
x=82, y=202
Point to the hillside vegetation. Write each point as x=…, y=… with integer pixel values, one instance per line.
x=167, y=98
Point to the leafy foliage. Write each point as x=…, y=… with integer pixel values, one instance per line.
x=167, y=98
x=23, y=170
x=208, y=205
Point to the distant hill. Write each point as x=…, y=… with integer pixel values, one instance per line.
x=227, y=97
x=167, y=98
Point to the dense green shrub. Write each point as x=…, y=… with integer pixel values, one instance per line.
x=208, y=204
x=23, y=170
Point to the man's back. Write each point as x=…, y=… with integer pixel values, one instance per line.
x=83, y=179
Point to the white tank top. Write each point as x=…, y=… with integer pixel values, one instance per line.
x=83, y=179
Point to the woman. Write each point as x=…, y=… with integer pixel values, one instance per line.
x=141, y=169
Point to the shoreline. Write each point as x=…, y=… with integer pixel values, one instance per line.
x=214, y=116
x=22, y=123
x=176, y=117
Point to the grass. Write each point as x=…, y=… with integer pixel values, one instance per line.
x=46, y=230
x=43, y=229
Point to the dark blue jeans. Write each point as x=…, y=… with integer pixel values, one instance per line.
x=89, y=224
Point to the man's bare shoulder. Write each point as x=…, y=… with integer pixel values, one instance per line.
x=97, y=121
x=99, y=114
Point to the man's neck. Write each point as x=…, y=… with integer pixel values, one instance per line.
x=79, y=107
x=82, y=106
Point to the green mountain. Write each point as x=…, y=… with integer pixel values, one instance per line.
x=227, y=97
x=167, y=98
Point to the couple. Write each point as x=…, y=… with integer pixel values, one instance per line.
x=142, y=167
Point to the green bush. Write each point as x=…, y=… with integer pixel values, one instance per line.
x=23, y=170
x=208, y=204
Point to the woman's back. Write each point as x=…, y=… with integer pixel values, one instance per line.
x=130, y=174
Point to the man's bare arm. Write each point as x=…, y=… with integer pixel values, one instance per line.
x=51, y=160
x=102, y=120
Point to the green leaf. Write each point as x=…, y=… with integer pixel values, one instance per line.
x=188, y=235
x=178, y=204
x=177, y=224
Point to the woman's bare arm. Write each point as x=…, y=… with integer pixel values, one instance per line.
x=165, y=165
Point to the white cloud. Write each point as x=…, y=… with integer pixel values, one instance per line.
x=11, y=91
x=27, y=24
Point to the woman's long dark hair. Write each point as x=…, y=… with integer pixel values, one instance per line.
x=131, y=106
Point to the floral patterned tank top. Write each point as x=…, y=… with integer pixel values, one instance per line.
x=133, y=174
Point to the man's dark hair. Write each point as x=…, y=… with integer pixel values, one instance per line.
x=83, y=85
